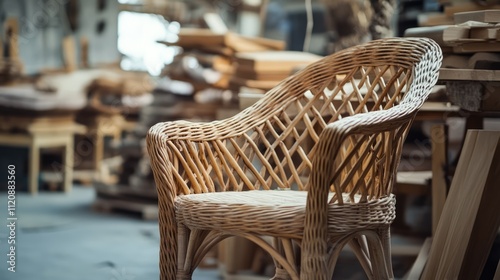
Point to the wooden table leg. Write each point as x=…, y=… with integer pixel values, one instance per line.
x=486, y=224
x=439, y=163
x=34, y=166
x=98, y=149
x=68, y=164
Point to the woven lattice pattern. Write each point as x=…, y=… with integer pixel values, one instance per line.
x=334, y=130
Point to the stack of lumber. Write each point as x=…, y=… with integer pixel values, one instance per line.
x=473, y=42
x=135, y=189
x=471, y=32
x=452, y=7
x=474, y=32
x=264, y=70
x=471, y=57
x=11, y=67
x=207, y=56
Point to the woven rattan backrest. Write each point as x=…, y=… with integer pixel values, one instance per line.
x=271, y=144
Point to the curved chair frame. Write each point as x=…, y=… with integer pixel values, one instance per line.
x=312, y=164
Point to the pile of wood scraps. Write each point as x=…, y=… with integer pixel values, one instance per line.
x=474, y=32
x=472, y=69
x=11, y=67
x=119, y=92
x=116, y=198
x=264, y=70
x=208, y=57
x=451, y=8
x=134, y=190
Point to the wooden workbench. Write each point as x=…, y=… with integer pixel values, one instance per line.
x=37, y=133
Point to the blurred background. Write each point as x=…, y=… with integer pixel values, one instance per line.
x=81, y=82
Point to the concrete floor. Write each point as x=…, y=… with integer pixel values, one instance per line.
x=59, y=237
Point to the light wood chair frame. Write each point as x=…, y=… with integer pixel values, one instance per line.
x=312, y=164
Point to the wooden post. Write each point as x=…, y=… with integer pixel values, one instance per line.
x=470, y=220
x=11, y=38
x=439, y=163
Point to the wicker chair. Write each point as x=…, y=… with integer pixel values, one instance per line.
x=312, y=164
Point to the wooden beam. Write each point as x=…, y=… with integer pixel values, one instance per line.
x=469, y=220
x=439, y=136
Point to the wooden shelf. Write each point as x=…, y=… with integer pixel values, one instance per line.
x=469, y=75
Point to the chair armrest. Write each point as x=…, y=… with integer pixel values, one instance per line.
x=372, y=124
x=375, y=132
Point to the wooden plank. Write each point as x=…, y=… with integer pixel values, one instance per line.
x=487, y=61
x=69, y=53
x=454, y=33
x=489, y=16
x=467, y=7
x=472, y=195
x=241, y=43
x=497, y=273
x=427, y=20
x=419, y=264
x=192, y=37
x=275, y=60
x=439, y=136
x=486, y=222
x=11, y=27
x=146, y=210
x=469, y=75
x=485, y=33
x=473, y=47
x=84, y=52
x=432, y=32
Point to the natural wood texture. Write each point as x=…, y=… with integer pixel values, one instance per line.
x=100, y=126
x=452, y=34
x=484, y=61
x=468, y=6
x=497, y=273
x=148, y=211
x=488, y=33
x=413, y=182
x=474, y=47
x=244, y=175
x=43, y=134
x=439, y=171
x=467, y=226
x=84, y=52
x=275, y=60
x=419, y=264
x=469, y=75
x=69, y=53
x=11, y=38
x=433, y=32
x=490, y=16
x=202, y=38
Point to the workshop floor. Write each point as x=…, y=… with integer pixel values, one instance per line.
x=59, y=237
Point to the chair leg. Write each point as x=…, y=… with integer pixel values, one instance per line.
x=280, y=272
x=358, y=245
x=168, y=244
x=377, y=257
x=182, y=241
x=385, y=238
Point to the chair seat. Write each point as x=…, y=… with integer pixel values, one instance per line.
x=277, y=213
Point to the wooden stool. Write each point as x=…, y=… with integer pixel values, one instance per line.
x=38, y=133
x=98, y=127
